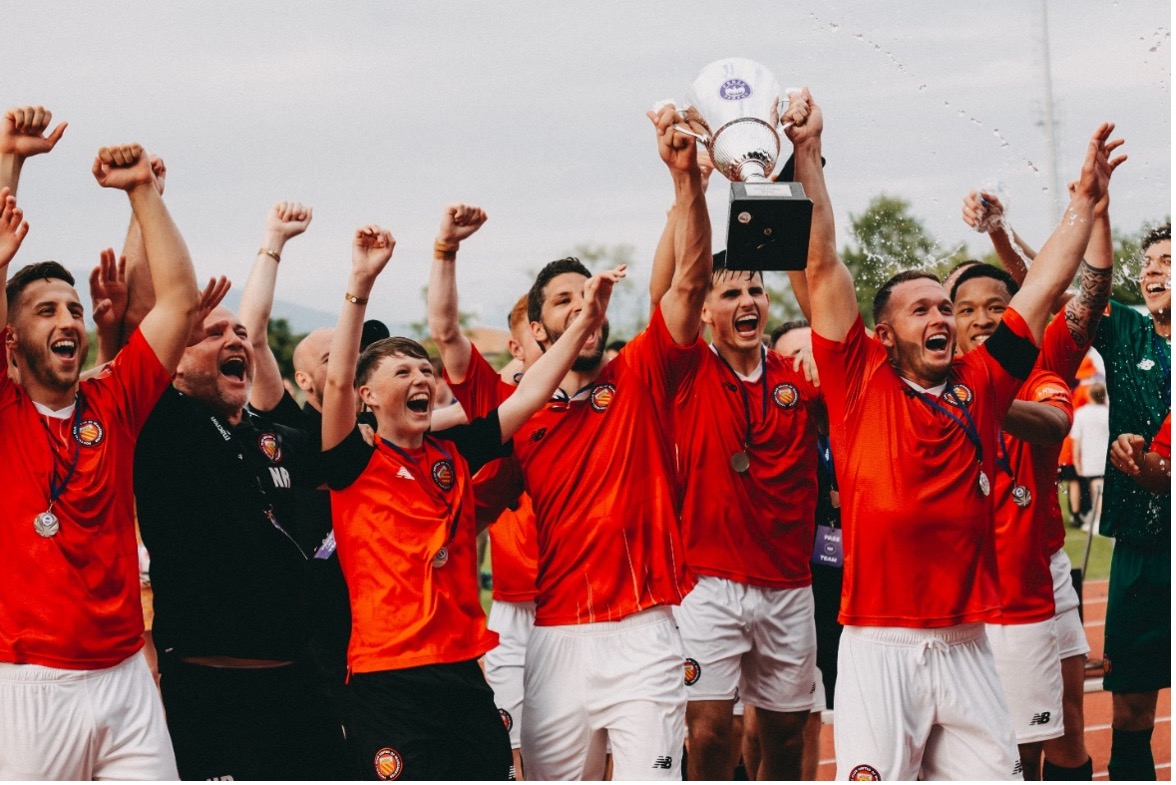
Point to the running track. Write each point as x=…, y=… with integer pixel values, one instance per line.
x=1098, y=703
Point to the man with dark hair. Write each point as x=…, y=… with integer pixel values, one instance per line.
x=419, y=706
x=915, y=435
x=1137, y=350
x=79, y=700
x=604, y=659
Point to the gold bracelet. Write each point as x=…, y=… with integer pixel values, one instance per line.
x=446, y=251
x=357, y=300
x=271, y=254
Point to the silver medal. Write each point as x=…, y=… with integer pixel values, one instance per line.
x=46, y=524
x=741, y=461
x=441, y=558
x=1021, y=496
x=985, y=486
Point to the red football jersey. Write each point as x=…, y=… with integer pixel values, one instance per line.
x=599, y=469
x=1024, y=514
x=72, y=600
x=917, y=527
x=755, y=526
x=407, y=607
x=514, y=547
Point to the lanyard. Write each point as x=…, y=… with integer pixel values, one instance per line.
x=443, y=497
x=747, y=398
x=58, y=483
x=825, y=453
x=969, y=427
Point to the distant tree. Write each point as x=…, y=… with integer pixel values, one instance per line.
x=629, y=307
x=282, y=340
x=888, y=238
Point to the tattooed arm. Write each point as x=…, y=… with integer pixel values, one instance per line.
x=1094, y=289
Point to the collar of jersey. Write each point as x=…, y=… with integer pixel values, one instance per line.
x=751, y=377
x=936, y=391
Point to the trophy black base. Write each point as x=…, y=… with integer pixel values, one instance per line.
x=768, y=227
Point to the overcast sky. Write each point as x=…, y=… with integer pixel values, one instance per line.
x=384, y=112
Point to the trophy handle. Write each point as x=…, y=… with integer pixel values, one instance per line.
x=782, y=106
x=687, y=114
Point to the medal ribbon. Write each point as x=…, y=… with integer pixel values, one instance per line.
x=443, y=497
x=969, y=427
x=57, y=483
x=747, y=398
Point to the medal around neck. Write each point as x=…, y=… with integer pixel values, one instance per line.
x=1022, y=497
x=46, y=524
x=741, y=461
x=985, y=485
x=442, y=557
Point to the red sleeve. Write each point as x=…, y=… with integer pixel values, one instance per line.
x=1059, y=353
x=1162, y=443
x=844, y=367
x=1048, y=388
x=134, y=379
x=1015, y=354
x=497, y=487
x=657, y=359
x=482, y=390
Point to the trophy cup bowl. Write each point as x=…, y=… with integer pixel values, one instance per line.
x=738, y=104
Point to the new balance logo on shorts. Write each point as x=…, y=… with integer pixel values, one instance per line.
x=1040, y=719
x=663, y=762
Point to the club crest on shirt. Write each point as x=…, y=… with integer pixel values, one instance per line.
x=270, y=447
x=89, y=433
x=786, y=396
x=864, y=773
x=443, y=474
x=602, y=396
x=507, y=720
x=389, y=765
x=693, y=671
x=961, y=395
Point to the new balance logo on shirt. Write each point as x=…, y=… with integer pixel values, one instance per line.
x=663, y=762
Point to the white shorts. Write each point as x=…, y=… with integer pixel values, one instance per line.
x=1031, y=674
x=921, y=704
x=1071, y=634
x=59, y=724
x=820, y=700
x=617, y=680
x=504, y=663
x=748, y=640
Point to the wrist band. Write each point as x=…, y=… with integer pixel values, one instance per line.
x=271, y=254
x=351, y=298
x=442, y=250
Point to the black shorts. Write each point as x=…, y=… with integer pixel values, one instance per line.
x=433, y=722
x=251, y=724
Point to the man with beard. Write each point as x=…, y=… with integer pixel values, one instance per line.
x=79, y=701
x=604, y=659
x=216, y=488
x=915, y=433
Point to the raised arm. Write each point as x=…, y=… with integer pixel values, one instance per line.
x=1085, y=309
x=166, y=327
x=13, y=228
x=370, y=251
x=545, y=374
x=108, y=295
x=22, y=136
x=663, y=256
x=1058, y=259
x=458, y=222
x=984, y=212
x=140, y=291
x=682, y=303
x=284, y=220
x=833, y=301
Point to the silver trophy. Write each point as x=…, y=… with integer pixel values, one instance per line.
x=734, y=108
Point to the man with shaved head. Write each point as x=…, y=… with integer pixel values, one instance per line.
x=310, y=365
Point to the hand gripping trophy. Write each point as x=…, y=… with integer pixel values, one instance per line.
x=734, y=108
